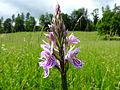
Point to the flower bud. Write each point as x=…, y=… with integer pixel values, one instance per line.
x=58, y=11
x=52, y=27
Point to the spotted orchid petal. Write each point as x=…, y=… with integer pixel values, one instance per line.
x=46, y=46
x=42, y=64
x=51, y=62
x=46, y=72
x=48, y=62
x=71, y=57
x=77, y=63
x=72, y=39
x=58, y=9
x=45, y=54
x=51, y=36
x=51, y=26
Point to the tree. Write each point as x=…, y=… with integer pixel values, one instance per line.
x=103, y=26
x=45, y=20
x=13, y=22
x=19, y=23
x=1, y=25
x=27, y=16
x=22, y=16
x=95, y=15
x=76, y=14
x=13, y=17
x=66, y=20
x=90, y=26
x=42, y=19
x=7, y=25
x=30, y=23
x=109, y=24
x=79, y=19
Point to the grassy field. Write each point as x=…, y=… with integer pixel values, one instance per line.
x=19, y=53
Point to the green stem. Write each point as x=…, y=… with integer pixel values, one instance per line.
x=63, y=71
x=64, y=81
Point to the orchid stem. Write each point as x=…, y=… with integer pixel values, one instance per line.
x=64, y=81
x=63, y=70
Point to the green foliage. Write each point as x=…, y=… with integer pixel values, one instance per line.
x=66, y=20
x=19, y=23
x=95, y=18
x=109, y=25
x=1, y=25
x=30, y=23
x=7, y=25
x=19, y=53
x=95, y=15
x=44, y=20
x=78, y=20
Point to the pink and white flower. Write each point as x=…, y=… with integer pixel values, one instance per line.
x=71, y=57
x=72, y=39
x=48, y=62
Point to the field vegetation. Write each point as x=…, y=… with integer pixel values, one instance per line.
x=19, y=53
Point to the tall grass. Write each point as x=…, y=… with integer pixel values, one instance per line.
x=19, y=53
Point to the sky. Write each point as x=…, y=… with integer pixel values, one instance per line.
x=38, y=7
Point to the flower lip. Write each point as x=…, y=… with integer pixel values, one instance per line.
x=77, y=63
x=72, y=39
x=45, y=46
x=48, y=63
x=46, y=72
x=71, y=57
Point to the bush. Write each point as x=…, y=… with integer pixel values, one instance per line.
x=109, y=24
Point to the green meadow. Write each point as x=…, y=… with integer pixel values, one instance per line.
x=19, y=70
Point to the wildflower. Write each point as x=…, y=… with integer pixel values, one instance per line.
x=72, y=39
x=51, y=37
x=58, y=11
x=45, y=46
x=59, y=51
x=71, y=57
x=48, y=62
x=52, y=27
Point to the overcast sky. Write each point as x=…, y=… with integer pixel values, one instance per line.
x=37, y=7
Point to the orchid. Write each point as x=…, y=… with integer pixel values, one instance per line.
x=73, y=40
x=51, y=36
x=71, y=57
x=48, y=61
x=47, y=64
x=60, y=49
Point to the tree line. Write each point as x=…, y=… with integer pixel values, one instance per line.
x=78, y=20
x=109, y=24
x=17, y=24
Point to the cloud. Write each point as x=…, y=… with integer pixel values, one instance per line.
x=7, y=9
x=37, y=7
